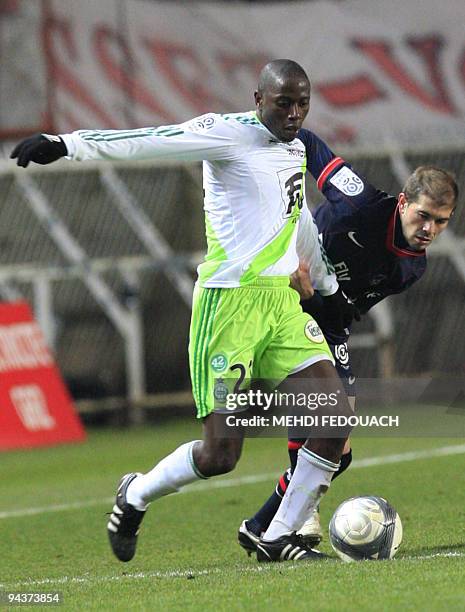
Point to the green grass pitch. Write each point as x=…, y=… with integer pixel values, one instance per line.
x=53, y=535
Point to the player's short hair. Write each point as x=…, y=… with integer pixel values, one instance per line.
x=280, y=70
x=436, y=183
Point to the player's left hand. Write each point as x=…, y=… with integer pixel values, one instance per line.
x=301, y=281
x=339, y=311
x=40, y=148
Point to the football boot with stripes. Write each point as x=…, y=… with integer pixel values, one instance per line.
x=247, y=538
x=289, y=547
x=123, y=526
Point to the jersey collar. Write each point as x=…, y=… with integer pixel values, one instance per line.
x=395, y=241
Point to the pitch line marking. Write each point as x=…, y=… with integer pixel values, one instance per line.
x=442, y=451
x=198, y=572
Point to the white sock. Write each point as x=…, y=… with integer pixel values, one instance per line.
x=309, y=482
x=168, y=476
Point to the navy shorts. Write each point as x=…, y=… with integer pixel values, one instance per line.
x=343, y=365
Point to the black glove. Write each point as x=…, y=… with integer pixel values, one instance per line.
x=339, y=311
x=314, y=306
x=40, y=148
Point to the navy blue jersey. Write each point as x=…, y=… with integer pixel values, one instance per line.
x=360, y=230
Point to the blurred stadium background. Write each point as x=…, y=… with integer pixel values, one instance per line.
x=106, y=254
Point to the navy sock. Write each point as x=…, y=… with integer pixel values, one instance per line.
x=262, y=519
x=264, y=516
x=293, y=447
x=346, y=460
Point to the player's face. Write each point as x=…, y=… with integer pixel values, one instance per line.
x=283, y=107
x=423, y=220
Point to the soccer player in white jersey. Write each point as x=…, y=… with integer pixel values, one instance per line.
x=247, y=322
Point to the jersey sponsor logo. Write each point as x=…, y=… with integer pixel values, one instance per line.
x=341, y=353
x=342, y=271
x=347, y=181
x=313, y=332
x=352, y=237
x=296, y=153
x=292, y=191
x=219, y=362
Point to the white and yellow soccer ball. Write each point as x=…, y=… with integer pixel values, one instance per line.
x=365, y=527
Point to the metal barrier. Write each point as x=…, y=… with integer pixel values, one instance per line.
x=99, y=248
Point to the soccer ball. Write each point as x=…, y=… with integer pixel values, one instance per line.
x=365, y=528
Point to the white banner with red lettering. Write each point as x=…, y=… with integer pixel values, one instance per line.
x=35, y=407
x=381, y=71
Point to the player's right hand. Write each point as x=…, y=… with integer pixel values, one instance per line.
x=40, y=148
x=301, y=281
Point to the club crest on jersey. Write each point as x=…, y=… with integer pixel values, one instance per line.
x=347, y=181
x=220, y=390
x=313, y=332
x=219, y=362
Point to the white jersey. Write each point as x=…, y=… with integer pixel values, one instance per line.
x=254, y=192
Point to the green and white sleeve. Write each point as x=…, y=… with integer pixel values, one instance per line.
x=311, y=251
x=203, y=138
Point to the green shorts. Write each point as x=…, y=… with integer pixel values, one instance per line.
x=246, y=333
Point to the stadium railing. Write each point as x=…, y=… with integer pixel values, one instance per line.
x=106, y=254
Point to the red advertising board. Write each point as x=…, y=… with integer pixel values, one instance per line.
x=35, y=406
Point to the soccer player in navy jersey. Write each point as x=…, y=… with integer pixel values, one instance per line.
x=376, y=243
